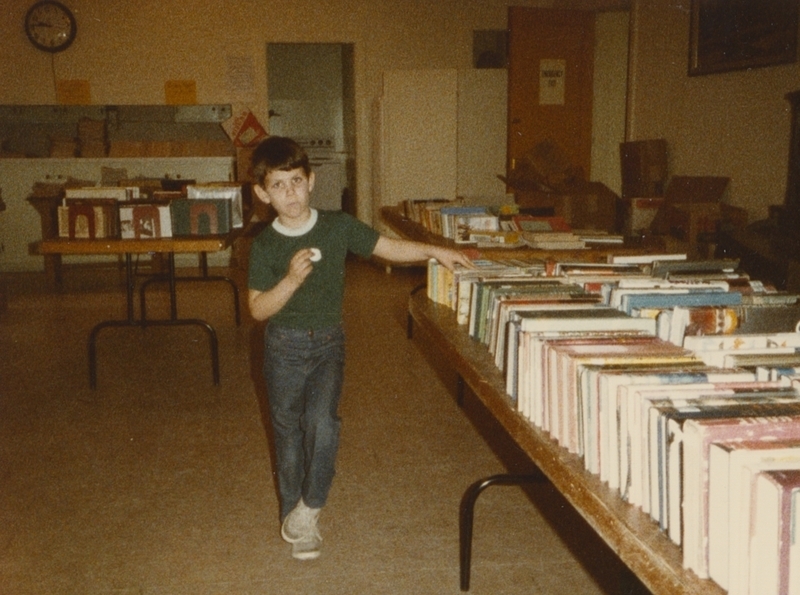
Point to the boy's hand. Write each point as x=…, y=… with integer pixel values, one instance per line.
x=300, y=266
x=449, y=258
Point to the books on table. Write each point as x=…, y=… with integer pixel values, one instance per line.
x=773, y=545
x=697, y=437
x=643, y=369
x=733, y=469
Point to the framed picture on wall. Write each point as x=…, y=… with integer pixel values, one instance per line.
x=730, y=35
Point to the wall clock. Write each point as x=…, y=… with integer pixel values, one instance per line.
x=50, y=26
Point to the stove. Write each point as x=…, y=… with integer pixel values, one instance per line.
x=328, y=165
x=320, y=149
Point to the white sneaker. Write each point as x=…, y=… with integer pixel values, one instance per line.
x=299, y=523
x=308, y=548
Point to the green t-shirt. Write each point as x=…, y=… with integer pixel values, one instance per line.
x=318, y=302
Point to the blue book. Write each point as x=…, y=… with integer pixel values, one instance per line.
x=637, y=301
x=464, y=210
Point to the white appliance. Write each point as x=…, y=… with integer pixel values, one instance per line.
x=328, y=165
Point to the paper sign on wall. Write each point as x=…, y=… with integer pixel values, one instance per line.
x=73, y=92
x=551, y=82
x=180, y=92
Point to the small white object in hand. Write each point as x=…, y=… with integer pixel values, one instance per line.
x=316, y=255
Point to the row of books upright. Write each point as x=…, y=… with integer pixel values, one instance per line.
x=675, y=381
x=120, y=212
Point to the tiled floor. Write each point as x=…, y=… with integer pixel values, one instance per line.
x=159, y=482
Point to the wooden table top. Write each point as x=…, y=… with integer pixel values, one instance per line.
x=187, y=244
x=411, y=230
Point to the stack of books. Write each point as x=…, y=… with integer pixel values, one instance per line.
x=500, y=226
x=676, y=382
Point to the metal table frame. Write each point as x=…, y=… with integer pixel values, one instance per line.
x=168, y=246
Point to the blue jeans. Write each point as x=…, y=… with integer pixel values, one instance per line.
x=304, y=372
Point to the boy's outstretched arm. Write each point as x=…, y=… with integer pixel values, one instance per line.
x=406, y=251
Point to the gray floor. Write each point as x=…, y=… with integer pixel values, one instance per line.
x=159, y=482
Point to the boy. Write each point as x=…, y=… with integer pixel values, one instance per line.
x=296, y=281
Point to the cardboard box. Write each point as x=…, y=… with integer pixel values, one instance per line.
x=688, y=190
x=696, y=189
x=595, y=206
x=644, y=167
x=244, y=156
x=639, y=213
x=244, y=129
x=697, y=223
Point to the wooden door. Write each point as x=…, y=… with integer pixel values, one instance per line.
x=551, y=54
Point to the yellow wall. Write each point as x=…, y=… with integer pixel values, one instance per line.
x=127, y=50
x=608, y=103
x=732, y=124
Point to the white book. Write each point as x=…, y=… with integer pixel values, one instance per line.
x=635, y=435
x=733, y=468
x=643, y=258
x=774, y=528
x=527, y=366
x=115, y=192
x=596, y=381
x=698, y=435
x=794, y=548
x=571, y=392
x=744, y=341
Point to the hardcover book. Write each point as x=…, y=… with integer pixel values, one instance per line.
x=145, y=220
x=773, y=538
x=199, y=217
x=225, y=191
x=667, y=456
x=88, y=218
x=698, y=435
x=733, y=467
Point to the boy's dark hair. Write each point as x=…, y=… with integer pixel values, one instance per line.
x=277, y=153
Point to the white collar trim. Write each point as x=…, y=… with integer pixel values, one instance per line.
x=296, y=231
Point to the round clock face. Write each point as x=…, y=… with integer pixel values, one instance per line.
x=50, y=26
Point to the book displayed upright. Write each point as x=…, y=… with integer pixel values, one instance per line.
x=650, y=370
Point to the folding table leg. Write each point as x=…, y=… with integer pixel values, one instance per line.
x=467, y=514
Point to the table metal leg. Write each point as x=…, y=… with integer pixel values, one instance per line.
x=173, y=320
x=461, y=388
x=130, y=320
x=204, y=276
x=467, y=514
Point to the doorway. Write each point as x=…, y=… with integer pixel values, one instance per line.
x=550, y=82
x=311, y=98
